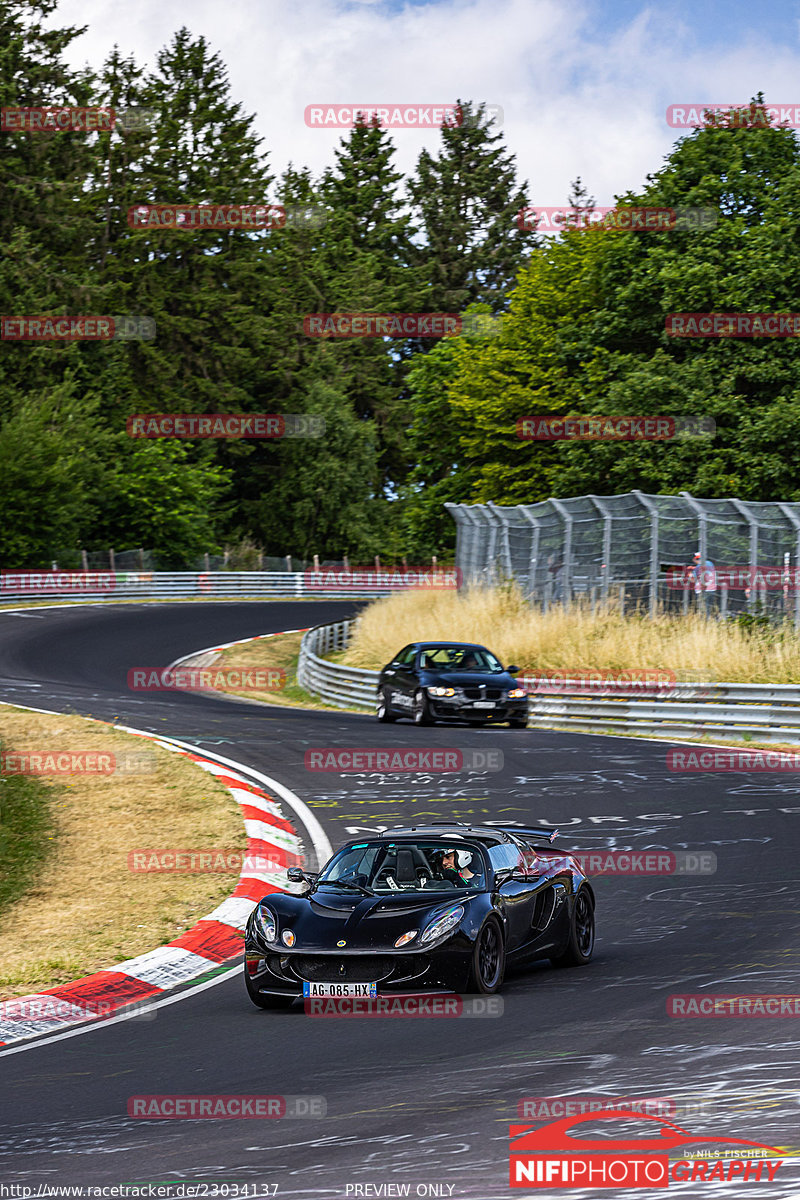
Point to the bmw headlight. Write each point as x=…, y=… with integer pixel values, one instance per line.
x=517, y=693
x=267, y=924
x=441, y=691
x=443, y=923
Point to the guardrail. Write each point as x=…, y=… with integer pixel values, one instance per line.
x=75, y=586
x=765, y=712
x=346, y=687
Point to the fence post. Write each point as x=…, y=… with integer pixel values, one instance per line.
x=206, y=561
x=111, y=561
x=288, y=562
x=84, y=560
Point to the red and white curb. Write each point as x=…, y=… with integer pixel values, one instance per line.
x=214, y=940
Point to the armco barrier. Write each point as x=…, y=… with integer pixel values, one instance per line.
x=764, y=712
x=182, y=585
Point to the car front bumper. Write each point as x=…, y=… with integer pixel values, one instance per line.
x=453, y=708
x=280, y=973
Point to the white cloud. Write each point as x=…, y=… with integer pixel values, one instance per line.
x=579, y=98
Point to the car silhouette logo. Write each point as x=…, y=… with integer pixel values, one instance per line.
x=342, y=943
x=554, y=1135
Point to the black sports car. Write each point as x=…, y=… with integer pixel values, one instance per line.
x=446, y=681
x=432, y=907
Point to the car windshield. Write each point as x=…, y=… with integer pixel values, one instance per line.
x=459, y=658
x=385, y=867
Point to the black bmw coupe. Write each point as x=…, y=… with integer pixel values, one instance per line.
x=446, y=681
x=415, y=909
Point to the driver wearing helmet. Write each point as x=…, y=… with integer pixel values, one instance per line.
x=455, y=867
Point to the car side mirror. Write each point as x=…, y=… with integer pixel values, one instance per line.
x=510, y=874
x=295, y=875
x=512, y=670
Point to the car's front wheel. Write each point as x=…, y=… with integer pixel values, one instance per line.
x=382, y=710
x=261, y=999
x=422, y=710
x=580, y=946
x=488, y=959
x=518, y=723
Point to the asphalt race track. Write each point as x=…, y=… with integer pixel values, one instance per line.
x=422, y=1101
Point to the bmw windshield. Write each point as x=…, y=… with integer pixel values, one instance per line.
x=458, y=658
x=385, y=868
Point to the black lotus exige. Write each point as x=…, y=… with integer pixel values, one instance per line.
x=441, y=681
x=413, y=909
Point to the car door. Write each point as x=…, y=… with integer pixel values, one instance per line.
x=516, y=890
x=400, y=680
x=550, y=913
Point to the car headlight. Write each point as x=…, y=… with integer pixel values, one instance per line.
x=443, y=923
x=406, y=937
x=441, y=691
x=517, y=693
x=267, y=924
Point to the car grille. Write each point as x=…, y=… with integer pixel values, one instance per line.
x=367, y=969
x=474, y=693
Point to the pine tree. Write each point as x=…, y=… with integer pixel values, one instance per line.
x=467, y=200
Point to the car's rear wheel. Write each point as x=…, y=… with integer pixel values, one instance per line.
x=488, y=959
x=422, y=710
x=580, y=946
x=262, y=1000
x=382, y=710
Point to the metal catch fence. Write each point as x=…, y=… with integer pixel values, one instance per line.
x=652, y=552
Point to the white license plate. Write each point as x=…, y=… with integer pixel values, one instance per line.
x=483, y=704
x=340, y=989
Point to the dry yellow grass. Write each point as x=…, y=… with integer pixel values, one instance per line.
x=281, y=652
x=574, y=639
x=89, y=910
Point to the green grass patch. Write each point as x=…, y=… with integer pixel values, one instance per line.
x=27, y=833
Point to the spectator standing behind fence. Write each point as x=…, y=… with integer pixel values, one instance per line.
x=705, y=578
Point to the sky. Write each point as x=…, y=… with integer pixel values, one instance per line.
x=583, y=86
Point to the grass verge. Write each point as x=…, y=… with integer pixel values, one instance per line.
x=72, y=905
x=576, y=639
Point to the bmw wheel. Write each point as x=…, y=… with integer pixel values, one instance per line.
x=580, y=946
x=382, y=709
x=422, y=710
x=488, y=959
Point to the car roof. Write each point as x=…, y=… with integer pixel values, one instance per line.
x=444, y=829
x=442, y=645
